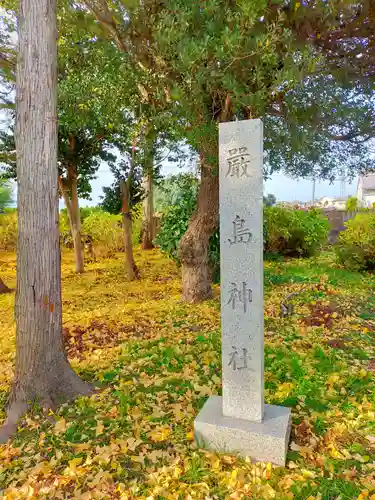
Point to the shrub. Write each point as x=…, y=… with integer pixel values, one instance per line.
x=105, y=232
x=294, y=233
x=6, y=194
x=352, y=204
x=102, y=228
x=356, y=245
x=180, y=192
x=173, y=226
x=65, y=234
x=287, y=232
x=8, y=230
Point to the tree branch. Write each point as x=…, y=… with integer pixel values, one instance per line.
x=348, y=137
x=102, y=13
x=165, y=157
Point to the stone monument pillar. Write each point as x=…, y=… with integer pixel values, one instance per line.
x=240, y=422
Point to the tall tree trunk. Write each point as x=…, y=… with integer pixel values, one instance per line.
x=130, y=266
x=42, y=371
x=74, y=216
x=3, y=287
x=76, y=228
x=196, y=274
x=148, y=213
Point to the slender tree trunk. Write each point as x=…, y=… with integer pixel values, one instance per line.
x=196, y=274
x=3, y=287
x=130, y=266
x=148, y=213
x=76, y=228
x=42, y=371
x=72, y=207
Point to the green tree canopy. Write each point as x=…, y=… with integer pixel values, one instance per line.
x=172, y=190
x=225, y=60
x=269, y=200
x=93, y=100
x=222, y=60
x=111, y=199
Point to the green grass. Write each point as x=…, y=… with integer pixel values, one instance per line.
x=135, y=437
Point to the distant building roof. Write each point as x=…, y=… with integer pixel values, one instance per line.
x=334, y=198
x=341, y=198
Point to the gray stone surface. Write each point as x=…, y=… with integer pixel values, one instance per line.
x=241, y=260
x=263, y=442
x=239, y=422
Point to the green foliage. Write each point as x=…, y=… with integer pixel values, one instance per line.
x=269, y=200
x=175, y=197
x=8, y=230
x=65, y=230
x=111, y=200
x=294, y=232
x=65, y=233
x=287, y=232
x=174, y=223
x=250, y=59
x=91, y=101
x=228, y=50
x=321, y=131
x=5, y=194
x=356, y=245
x=179, y=191
x=352, y=204
x=104, y=231
x=172, y=190
x=81, y=152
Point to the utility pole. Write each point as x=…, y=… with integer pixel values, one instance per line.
x=342, y=183
x=313, y=191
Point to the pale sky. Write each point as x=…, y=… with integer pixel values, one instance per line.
x=283, y=187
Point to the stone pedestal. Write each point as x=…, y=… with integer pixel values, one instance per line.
x=265, y=441
x=239, y=421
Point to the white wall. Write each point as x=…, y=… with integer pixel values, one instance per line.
x=369, y=199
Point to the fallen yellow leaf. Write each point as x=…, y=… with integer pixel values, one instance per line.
x=74, y=463
x=132, y=443
x=60, y=426
x=99, y=428
x=159, y=434
x=190, y=436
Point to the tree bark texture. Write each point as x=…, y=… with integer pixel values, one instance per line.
x=130, y=266
x=194, y=245
x=148, y=214
x=42, y=371
x=3, y=287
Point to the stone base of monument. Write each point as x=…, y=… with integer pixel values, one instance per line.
x=266, y=441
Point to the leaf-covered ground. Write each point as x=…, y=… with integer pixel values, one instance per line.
x=158, y=359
